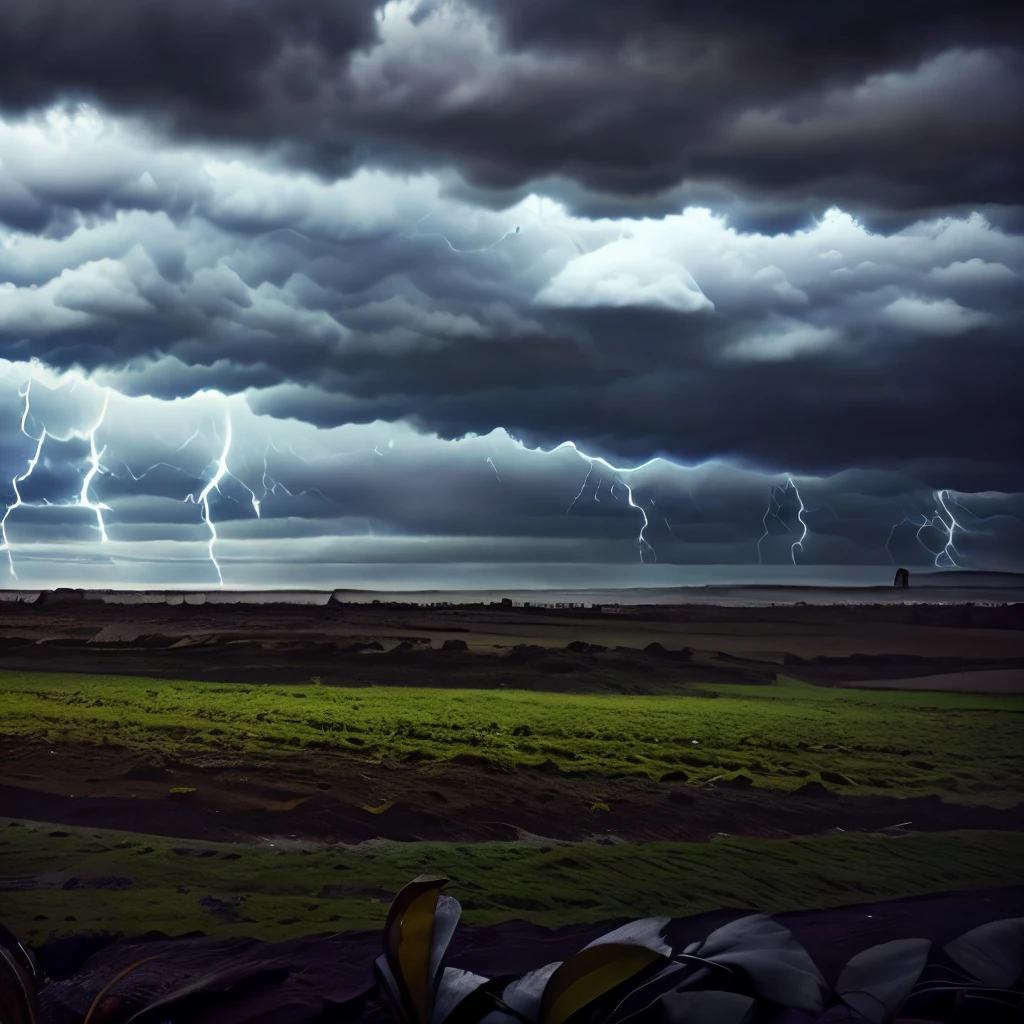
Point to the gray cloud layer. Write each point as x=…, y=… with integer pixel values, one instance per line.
x=892, y=111
x=383, y=504
x=785, y=247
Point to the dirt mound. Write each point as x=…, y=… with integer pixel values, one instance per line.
x=362, y=647
x=582, y=647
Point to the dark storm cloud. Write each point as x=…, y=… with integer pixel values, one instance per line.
x=891, y=110
x=805, y=39
x=196, y=60
x=375, y=299
x=615, y=224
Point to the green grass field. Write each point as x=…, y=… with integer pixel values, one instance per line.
x=962, y=747
x=148, y=886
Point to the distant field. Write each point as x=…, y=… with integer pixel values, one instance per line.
x=58, y=881
x=964, y=747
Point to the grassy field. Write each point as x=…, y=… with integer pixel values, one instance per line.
x=963, y=747
x=131, y=883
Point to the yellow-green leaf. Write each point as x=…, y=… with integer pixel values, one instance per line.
x=590, y=974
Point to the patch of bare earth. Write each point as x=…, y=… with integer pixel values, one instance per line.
x=341, y=799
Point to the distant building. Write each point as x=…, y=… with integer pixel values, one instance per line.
x=902, y=578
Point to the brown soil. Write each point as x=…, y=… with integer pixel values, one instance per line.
x=339, y=799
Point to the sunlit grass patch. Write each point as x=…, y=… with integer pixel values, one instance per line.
x=960, y=746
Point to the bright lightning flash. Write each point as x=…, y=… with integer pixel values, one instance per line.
x=618, y=472
x=943, y=521
x=203, y=498
x=95, y=467
x=776, y=496
x=944, y=518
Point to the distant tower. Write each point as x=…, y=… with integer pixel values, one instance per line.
x=902, y=578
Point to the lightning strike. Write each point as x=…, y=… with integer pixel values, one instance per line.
x=97, y=507
x=203, y=499
x=95, y=467
x=273, y=486
x=617, y=473
x=944, y=558
x=800, y=519
x=490, y=462
x=581, y=490
x=25, y=393
x=941, y=497
x=776, y=496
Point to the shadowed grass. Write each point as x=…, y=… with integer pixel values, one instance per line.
x=961, y=746
x=131, y=883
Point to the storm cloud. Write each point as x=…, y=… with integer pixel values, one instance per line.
x=892, y=111
x=782, y=257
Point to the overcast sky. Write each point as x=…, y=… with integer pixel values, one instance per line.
x=367, y=294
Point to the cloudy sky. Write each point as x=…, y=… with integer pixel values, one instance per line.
x=303, y=292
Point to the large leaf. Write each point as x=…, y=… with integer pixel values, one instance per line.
x=993, y=953
x=454, y=987
x=524, y=994
x=446, y=919
x=590, y=974
x=877, y=981
x=411, y=965
x=683, y=1007
x=777, y=964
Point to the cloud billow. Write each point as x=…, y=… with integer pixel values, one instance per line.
x=774, y=249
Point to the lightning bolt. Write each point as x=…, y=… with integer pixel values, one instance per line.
x=274, y=486
x=222, y=472
x=203, y=498
x=941, y=497
x=618, y=472
x=938, y=521
x=800, y=519
x=97, y=507
x=580, y=492
x=776, y=496
x=24, y=392
x=95, y=467
x=490, y=462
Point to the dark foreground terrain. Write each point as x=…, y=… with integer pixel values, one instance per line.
x=331, y=977
x=980, y=648
x=278, y=771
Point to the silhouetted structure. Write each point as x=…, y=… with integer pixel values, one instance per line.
x=902, y=578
